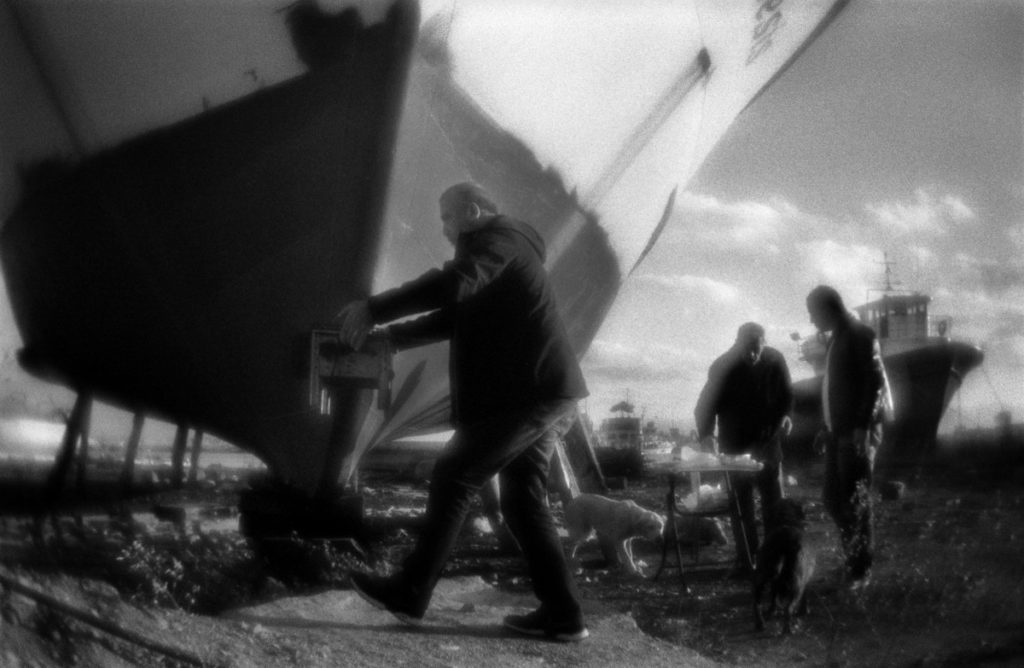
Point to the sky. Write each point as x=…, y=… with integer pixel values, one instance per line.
x=898, y=132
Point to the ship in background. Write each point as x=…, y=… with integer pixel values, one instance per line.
x=620, y=442
x=189, y=191
x=924, y=364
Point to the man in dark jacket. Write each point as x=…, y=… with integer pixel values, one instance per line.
x=855, y=392
x=748, y=391
x=514, y=385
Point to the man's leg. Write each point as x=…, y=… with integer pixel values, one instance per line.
x=490, y=498
x=836, y=491
x=524, y=503
x=832, y=492
x=769, y=486
x=854, y=467
x=476, y=453
x=453, y=484
x=744, y=524
x=861, y=534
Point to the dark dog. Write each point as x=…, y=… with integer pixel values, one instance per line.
x=784, y=563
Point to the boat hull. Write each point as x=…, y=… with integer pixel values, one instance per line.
x=179, y=269
x=181, y=272
x=923, y=381
x=186, y=269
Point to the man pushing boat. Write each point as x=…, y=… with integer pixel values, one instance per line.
x=514, y=380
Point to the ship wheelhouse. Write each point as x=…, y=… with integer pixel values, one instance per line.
x=902, y=321
x=924, y=365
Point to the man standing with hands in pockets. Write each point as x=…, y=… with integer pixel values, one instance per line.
x=855, y=396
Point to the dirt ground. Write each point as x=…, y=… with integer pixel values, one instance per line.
x=947, y=586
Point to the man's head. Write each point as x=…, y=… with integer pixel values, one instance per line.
x=825, y=307
x=465, y=207
x=750, y=342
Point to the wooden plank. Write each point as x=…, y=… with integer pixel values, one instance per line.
x=178, y=456
x=67, y=449
x=83, y=450
x=197, y=447
x=131, y=451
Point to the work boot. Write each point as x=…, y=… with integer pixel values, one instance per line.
x=390, y=594
x=539, y=624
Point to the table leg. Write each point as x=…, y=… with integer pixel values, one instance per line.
x=695, y=519
x=672, y=534
x=670, y=525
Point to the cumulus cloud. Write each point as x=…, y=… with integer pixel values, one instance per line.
x=925, y=257
x=851, y=269
x=701, y=286
x=744, y=225
x=1016, y=236
x=982, y=316
x=927, y=213
x=1016, y=346
x=993, y=275
x=1000, y=277
x=621, y=363
x=1010, y=327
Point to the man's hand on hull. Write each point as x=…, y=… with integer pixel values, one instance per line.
x=355, y=323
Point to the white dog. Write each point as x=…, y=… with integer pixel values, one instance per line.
x=616, y=523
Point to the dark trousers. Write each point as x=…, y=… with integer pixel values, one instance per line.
x=847, y=495
x=518, y=447
x=768, y=482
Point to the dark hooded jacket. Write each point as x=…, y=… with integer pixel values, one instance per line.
x=509, y=348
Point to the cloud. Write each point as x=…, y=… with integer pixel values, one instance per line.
x=925, y=257
x=1016, y=236
x=620, y=363
x=744, y=225
x=993, y=320
x=851, y=269
x=927, y=214
x=701, y=286
x=1010, y=327
x=999, y=277
x=1015, y=346
x=993, y=275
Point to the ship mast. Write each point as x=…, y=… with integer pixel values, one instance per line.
x=888, y=264
x=888, y=271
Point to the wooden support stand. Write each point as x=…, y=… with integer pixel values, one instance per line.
x=340, y=381
x=178, y=456
x=341, y=384
x=83, y=447
x=77, y=425
x=131, y=450
x=197, y=448
x=334, y=365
